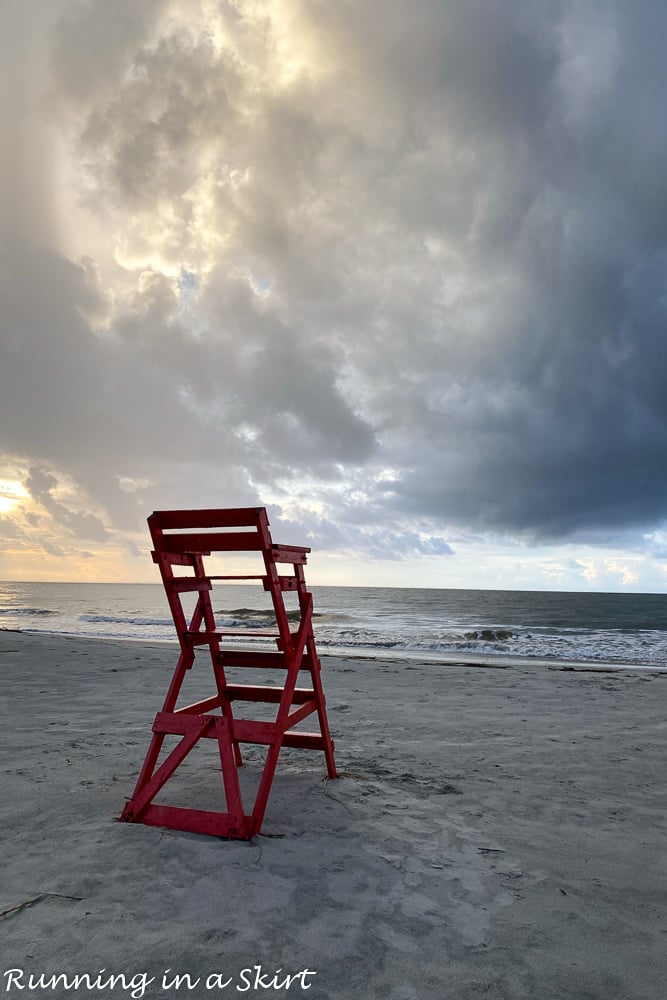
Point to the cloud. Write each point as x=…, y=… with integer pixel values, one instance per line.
x=41, y=485
x=92, y=44
x=294, y=245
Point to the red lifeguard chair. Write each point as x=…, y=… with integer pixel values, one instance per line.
x=182, y=539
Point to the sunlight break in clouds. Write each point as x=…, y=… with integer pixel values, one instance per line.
x=11, y=494
x=260, y=251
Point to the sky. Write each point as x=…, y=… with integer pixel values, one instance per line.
x=396, y=271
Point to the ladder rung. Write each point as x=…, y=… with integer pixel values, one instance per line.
x=252, y=731
x=245, y=730
x=185, y=584
x=252, y=576
x=202, y=638
x=253, y=633
x=261, y=659
x=307, y=741
x=204, y=582
x=262, y=692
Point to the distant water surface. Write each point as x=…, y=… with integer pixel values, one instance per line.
x=629, y=629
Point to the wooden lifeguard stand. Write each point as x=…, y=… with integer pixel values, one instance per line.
x=182, y=539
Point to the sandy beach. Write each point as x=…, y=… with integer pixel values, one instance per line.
x=495, y=833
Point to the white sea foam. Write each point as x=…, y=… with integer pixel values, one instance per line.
x=625, y=628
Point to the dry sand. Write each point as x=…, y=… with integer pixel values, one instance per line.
x=498, y=833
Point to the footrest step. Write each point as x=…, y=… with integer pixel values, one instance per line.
x=204, y=638
x=306, y=741
x=262, y=692
x=262, y=659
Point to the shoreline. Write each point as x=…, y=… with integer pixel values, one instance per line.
x=499, y=661
x=493, y=832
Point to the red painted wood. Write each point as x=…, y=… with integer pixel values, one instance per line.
x=306, y=741
x=185, y=539
x=212, y=541
x=197, y=707
x=285, y=555
x=308, y=707
x=228, y=517
x=261, y=659
x=190, y=736
x=214, y=824
x=261, y=692
x=185, y=584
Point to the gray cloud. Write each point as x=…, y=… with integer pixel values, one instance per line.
x=40, y=485
x=427, y=238
x=93, y=43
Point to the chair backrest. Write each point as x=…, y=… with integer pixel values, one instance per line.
x=183, y=538
x=180, y=532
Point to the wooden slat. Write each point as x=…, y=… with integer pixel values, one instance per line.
x=289, y=554
x=209, y=541
x=248, y=633
x=244, y=730
x=185, y=584
x=251, y=731
x=262, y=692
x=305, y=741
x=236, y=576
x=263, y=660
x=174, y=559
x=251, y=658
x=180, y=724
x=213, y=824
x=199, y=638
x=202, y=638
x=236, y=517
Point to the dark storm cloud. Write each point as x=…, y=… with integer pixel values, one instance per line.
x=544, y=411
x=425, y=238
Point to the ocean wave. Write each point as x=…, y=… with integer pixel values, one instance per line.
x=491, y=635
x=245, y=623
x=360, y=638
x=123, y=620
x=235, y=620
x=247, y=612
x=26, y=611
x=407, y=624
x=261, y=614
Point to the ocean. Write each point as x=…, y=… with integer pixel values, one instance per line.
x=446, y=625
